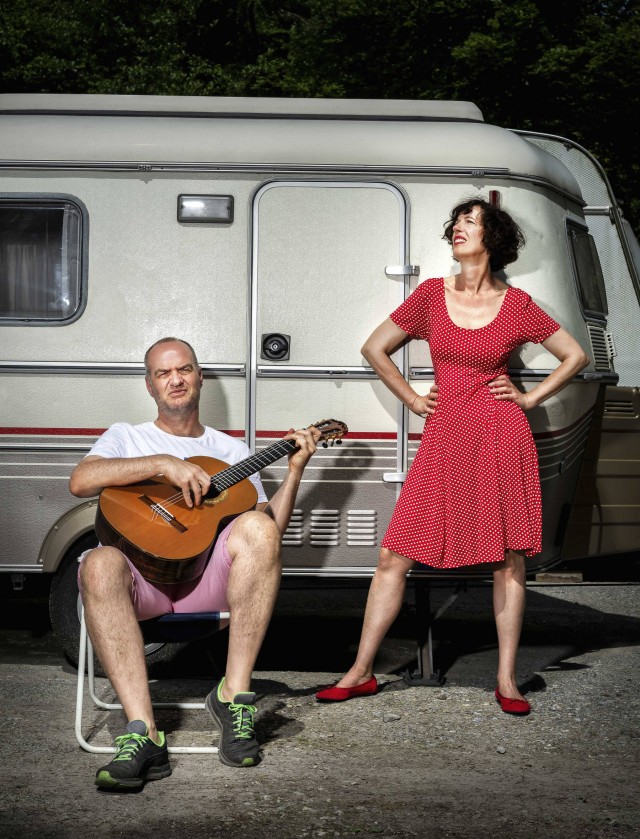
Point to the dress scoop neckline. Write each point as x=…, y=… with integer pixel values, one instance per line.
x=471, y=328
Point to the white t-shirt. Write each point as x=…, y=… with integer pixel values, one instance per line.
x=124, y=440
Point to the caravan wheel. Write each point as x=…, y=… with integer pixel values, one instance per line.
x=65, y=607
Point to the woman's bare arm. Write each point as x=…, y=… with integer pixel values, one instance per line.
x=572, y=360
x=383, y=341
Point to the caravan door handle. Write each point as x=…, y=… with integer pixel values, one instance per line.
x=394, y=477
x=402, y=270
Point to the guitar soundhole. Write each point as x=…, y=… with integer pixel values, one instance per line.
x=209, y=502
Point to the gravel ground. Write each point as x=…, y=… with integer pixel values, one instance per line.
x=411, y=761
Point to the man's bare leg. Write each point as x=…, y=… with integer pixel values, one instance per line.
x=254, y=546
x=115, y=633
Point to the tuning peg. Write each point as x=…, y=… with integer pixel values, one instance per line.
x=325, y=445
x=338, y=442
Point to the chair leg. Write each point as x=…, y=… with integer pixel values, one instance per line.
x=85, y=659
x=82, y=661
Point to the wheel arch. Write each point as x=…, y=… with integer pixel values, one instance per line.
x=68, y=529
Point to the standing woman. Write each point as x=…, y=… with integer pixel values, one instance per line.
x=472, y=494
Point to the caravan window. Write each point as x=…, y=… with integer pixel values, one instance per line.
x=588, y=272
x=40, y=260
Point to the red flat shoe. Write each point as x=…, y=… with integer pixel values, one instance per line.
x=336, y=694
x=517, y=707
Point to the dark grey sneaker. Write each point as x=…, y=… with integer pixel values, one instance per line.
x=238, y=746
x=138, y=759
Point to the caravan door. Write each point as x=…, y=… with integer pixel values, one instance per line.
x=329, y=263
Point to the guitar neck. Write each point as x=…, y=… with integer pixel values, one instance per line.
x=250, y=465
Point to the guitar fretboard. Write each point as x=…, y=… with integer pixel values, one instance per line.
x=250, y=465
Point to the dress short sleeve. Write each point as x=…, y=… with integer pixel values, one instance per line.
x=535, y=324
x=414, y=314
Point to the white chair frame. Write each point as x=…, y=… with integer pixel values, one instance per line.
x=85, y=660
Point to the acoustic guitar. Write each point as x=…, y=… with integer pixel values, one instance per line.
x=169, y=542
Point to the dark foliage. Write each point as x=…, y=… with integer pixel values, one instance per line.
x=568, y=68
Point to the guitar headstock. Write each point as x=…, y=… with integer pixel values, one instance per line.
x=331, y=431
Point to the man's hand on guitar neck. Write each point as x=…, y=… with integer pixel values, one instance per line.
x=281, y=505
x=306, y=439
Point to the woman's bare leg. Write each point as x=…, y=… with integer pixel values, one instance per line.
x=383, y=604
x=508, y=606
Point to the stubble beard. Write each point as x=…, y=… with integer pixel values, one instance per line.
x=178, y=411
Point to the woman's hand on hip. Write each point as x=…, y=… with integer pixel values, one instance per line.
x=425, y=405
x=504, y=389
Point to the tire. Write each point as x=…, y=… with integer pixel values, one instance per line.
x=65, y=606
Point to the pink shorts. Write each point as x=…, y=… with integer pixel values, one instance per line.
x=208, y=593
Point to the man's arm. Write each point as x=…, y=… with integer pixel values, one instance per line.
x=281, y=505
x=94, y=473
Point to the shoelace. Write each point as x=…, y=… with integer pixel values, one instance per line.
x=128, y=745
x=242, y=720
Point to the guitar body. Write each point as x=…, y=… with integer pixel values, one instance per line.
x=167, y=541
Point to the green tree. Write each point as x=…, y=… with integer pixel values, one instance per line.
x=569, y=68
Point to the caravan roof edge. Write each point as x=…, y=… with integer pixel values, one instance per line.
x=353, y=136
x=240, y=107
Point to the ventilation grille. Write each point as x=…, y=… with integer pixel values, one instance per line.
x=294, y=534
x=600, y=347
x=362, y=528
x=620, y=406
x=325, y=528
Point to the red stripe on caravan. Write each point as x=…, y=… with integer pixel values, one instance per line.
x=55, y=432
x=234, y=432
x=79, y=432
x=353, y=435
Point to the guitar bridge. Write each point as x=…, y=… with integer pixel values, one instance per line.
x=164, y=514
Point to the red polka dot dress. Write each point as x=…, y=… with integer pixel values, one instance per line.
x=473, y=490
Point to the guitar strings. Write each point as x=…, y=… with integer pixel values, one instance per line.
x=235, y=473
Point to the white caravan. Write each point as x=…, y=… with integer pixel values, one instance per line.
x=274, y=235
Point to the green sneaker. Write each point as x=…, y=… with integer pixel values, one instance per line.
x=138, y=759
x=238, y=746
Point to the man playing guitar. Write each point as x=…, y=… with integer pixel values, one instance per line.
x=242, y=574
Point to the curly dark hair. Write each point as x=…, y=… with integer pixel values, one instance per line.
x=501, y=236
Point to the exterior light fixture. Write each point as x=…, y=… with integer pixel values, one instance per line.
x=205, y=209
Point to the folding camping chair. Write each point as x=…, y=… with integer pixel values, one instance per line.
x=174, y=626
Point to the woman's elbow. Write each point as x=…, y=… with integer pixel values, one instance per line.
x=582, y=360
x=577, y=361
x=365, y=350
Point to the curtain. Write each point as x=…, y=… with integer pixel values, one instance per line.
x=39, y=261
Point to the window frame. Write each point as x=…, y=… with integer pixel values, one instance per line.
x=38, y=199
x=574, y=227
